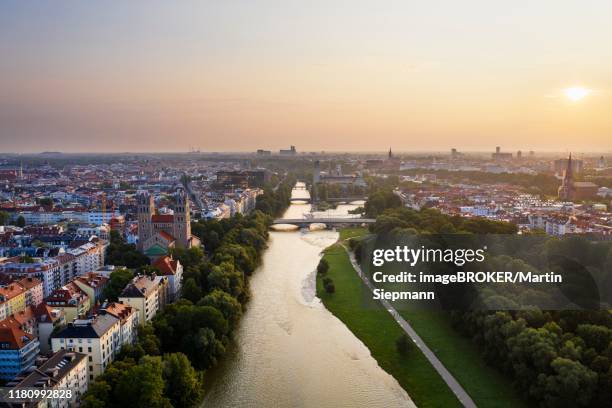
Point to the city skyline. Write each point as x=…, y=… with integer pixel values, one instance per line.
x=155, y=77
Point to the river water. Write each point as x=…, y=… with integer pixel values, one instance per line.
x=291, y=351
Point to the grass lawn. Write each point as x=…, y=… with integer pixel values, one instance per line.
x=377, y=329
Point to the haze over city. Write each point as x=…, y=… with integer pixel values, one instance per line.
x=358, y=76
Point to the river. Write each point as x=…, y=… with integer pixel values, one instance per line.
x=291, y=351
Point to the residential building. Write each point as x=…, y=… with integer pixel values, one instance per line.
x=128, y=318
x=34, y=290
x=146, y=294
x=93, y=285
x=173, y=270
x=49, y=320
x=63, y=370
x=14, y=295
x=18, y=350
x=71, y=300
x=98, y=337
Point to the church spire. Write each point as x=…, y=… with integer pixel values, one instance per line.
x=570, y=169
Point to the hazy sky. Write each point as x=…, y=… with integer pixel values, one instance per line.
x=320, y=74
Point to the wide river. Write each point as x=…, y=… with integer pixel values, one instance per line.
x=291, y=351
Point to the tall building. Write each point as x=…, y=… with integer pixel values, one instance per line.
x=157, y=233
x=560, y=165
x=575, y=190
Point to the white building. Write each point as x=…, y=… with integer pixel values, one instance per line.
x=99, y=338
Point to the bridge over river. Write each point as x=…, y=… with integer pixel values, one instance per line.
x=330, y=222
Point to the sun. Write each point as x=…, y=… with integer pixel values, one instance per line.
x=576, y=93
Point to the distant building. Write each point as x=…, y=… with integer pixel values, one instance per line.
x=234, y=179
x=157, y=233
x=455, y=153
x=571, y=190
x=261, y=152
x=560, y=165
x=499, y=155
x=290, y=152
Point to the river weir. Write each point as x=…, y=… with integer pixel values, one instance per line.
x=291, y=351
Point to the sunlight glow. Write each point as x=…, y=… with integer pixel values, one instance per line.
x=576, y=93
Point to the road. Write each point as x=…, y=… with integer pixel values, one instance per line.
x=452, y=383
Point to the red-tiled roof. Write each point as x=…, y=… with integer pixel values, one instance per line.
x=166, y=265
x=13, y=335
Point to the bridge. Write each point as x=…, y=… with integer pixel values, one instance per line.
x=329, y=222
x=333, y=199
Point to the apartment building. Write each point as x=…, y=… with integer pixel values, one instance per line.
x=98, y=337
x=147, y=294
x=128, y=318
x=173, y=270
x=63, y=370
x=71, y=300
x=18, y=350
x=93, y=285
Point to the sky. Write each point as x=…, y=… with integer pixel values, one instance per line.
x=328, y=75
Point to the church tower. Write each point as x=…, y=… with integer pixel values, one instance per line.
x=145, y=209
x=566, y=190
x=182, y=220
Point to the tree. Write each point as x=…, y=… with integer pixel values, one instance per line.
x=26, y=259
x=380, y=201
x=192, y=291
x=323, y=267
x=403, y=344
x=184, y=385
x=225, y=303
x=123, y=254
x=4, y=217
x=328, y=285
x=20, y=221
x=572, y=383
x=117, y=282
x=46, y=201
x=143, y=385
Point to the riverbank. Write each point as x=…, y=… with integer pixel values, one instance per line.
x=375, y=327
x=379, y=331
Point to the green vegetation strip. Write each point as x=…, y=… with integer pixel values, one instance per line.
x=486, y=386
x=375, y=327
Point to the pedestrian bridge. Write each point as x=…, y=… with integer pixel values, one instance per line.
x=329, y=222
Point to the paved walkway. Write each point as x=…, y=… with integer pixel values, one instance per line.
x=452, y=383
